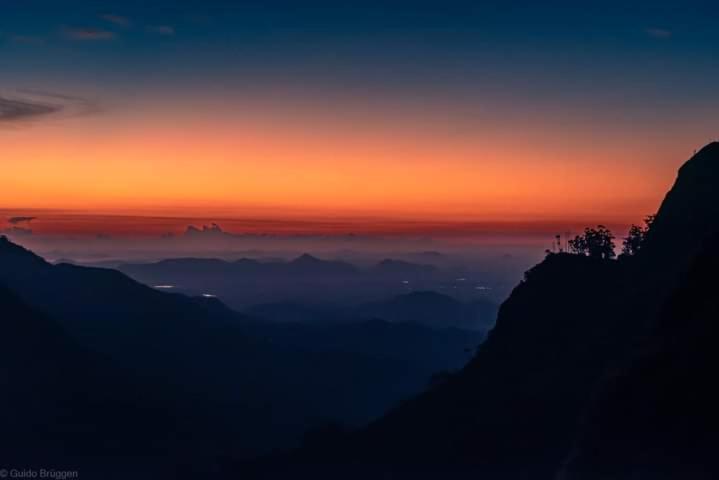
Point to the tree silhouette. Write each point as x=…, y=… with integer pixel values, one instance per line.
x=634, y=241
x=594, y=242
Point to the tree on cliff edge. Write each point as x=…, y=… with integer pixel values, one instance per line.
x=594, y=242
x=634, y=241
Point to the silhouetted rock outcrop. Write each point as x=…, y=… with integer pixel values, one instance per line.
x=689, y=214
x=656, y=415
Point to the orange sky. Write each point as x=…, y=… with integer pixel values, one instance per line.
x=263, y=159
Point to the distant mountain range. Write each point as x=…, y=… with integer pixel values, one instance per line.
x=186, y=374
x=305, y=279
x=596, y=369
x=303, y=265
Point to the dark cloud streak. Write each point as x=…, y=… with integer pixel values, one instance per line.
x=14, y=110
x=78, y=106
x=16, y=220
x=29, y=105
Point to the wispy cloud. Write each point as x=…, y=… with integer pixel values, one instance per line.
x=16, y=220
x=30, y=105
x=89, y=34
x=118, y=20
x=161, y=29
x=16, y=110
x=656, y=32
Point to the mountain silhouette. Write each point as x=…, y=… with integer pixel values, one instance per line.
x=689, y=213
x=656, y=414
x=434, y=310
x=64, y=405
x=171, y=269
x=306, y=264
x=101, y=307
x=596, y=368
x=306, y=279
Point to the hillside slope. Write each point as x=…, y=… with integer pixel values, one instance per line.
x=63, y=405
x=656, y=415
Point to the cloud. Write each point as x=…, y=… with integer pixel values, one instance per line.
x=89, y=34
x=16, y=220
x=15, y=110
x=118, y=20
x=161, y=29
x=655, y=32
x=29, y=105
x=74, y=105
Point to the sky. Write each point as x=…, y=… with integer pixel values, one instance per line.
x=448, y=112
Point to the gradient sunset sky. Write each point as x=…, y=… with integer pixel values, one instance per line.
x=427, y=111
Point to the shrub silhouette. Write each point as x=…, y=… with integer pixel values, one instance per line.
x=594, y=242
x=634, y=241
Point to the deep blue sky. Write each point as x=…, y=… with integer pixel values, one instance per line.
x=643, y=48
